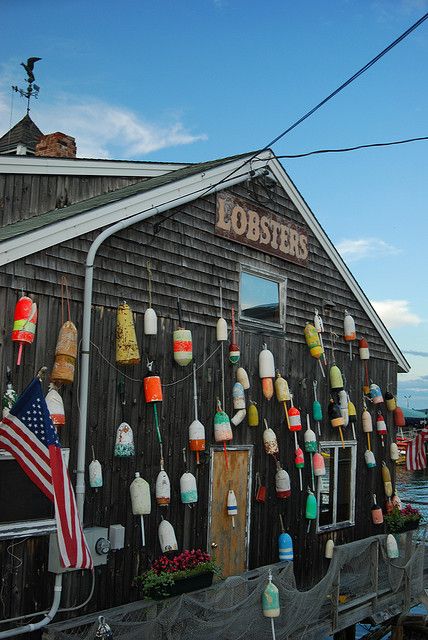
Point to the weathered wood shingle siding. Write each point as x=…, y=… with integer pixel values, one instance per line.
x=189, y=260
x=23, y=196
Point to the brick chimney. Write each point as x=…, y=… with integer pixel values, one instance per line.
x=56, y=145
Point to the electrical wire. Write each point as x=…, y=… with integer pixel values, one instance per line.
x=360, y=146
x=309, y=113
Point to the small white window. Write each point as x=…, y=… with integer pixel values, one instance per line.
x=30, y=515
x=336, y=490
x=262, y=298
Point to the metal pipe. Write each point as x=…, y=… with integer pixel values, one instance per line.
x=87, y=304
x=28, y=628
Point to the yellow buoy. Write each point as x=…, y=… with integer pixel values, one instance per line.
x=252, y=415
x=127, y=351
x=65, y=354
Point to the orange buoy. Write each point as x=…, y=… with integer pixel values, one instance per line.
x=65, y=355
x=24, y=323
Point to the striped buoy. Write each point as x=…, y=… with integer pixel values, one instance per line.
x=182, y=342
x=391, y=403
x=55, y=406
x=188, y=488
x=24, y=323
x=232, y=506
x=349, y=334
x=285, y=547
x=282, y=484
x=370, y=459
x=376, y=394
x=124, y=446
x=266, y=371
x=163, y=489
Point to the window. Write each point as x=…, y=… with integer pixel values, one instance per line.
x=336, y=490
x=262, y=298
x=31, y=514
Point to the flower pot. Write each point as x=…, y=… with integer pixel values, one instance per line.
x=182, y=585
x=410, y=526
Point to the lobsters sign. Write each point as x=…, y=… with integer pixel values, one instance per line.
x=243, y=222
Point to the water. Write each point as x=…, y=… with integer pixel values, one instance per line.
x=412, y=486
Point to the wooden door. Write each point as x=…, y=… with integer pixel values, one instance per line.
x=231, y=543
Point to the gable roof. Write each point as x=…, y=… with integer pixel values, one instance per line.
x=25, y=132
x=167, y=191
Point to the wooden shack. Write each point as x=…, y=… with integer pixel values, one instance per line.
x=238, y=222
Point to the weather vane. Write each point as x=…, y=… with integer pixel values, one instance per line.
x=32, y=88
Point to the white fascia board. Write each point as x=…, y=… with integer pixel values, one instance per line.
x=106, y=215
x=288, y=186
x=31, y=165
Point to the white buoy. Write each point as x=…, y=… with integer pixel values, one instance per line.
x=242, y=377
x=232, y=506
x=238, y=396
x=329, y=549
x=55, y=405
x=394, y=453
x=343, y=404
x=141, y=501
x=391, y=546
x=163, y=489
x=167, y=539
x=95, y=474
x=150, y=322
x=221, y=327
x=188, y=488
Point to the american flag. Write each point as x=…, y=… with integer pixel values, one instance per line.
x=416, y=455
x=28, y=434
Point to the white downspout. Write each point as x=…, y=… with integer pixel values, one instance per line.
x=87, y=305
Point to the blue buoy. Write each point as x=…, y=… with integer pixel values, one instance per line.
x=285, y=546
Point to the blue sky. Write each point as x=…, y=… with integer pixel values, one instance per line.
x=194, y=80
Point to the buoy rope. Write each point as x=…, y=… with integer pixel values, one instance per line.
x=64, y=285
x=169, y=384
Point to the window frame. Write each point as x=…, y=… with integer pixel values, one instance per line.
x=335, y=444
x=28, y=528
x=265, y=272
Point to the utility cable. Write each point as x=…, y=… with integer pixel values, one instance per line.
x=360, y=146
x=314, y=109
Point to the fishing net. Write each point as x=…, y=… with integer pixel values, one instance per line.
x=231, y=609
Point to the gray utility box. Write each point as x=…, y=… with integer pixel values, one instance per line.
x=98, y=543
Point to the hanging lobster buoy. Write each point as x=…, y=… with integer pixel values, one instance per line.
x=363, y=350
x=232, y=506
x=95, y=474
x=150, y=318
x=234, y=353
x=281, y=388
x=310, y=439
x=336, y=418
x=24, y=323
x=349, y=334
x=141, y=501
x=55, y=405
x=336, y=380
x=394, y=453
x=163, y=489
x=253, y=415
x=221, y=326
x=269, y=440
x=352, y=414
x=316, y=408
x=313, y=341
x=282, y=483
x=182, y=342
x=242, y=377
x=318, y=464
x=124, y=446
x=391, y=546
x=299, y=460
x=311, y=508
x=399, y=420
x=377, y=515
x=196, y=429
x=285, y=544
x=329, y=549
x=375, y=394
x=127, y=351
x=65, y=355
x=270, y=600
x=10, y=396
x=238, y=396
x=370, y=459
x=294, y=419
x=188, y=488
x=390, y=401
x=386, y=477
x=152, y=387
x=381, y=427
x=167, y=539
x=367, y=421
x=222, y=428
x=319, y=326
x=266, y=371
x=343, y=404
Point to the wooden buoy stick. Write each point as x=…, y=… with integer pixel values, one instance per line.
x=368, y=442
x=143, y=537
x=155, y=411
x=286, y=414
x=341, y=437
x=322, y=368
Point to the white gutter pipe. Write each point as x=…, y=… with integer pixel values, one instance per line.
x=28, y=628
x=87, y=305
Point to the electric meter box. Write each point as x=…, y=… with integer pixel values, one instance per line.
x=98, y=543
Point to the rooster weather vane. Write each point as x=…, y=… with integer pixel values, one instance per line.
x=32, y=89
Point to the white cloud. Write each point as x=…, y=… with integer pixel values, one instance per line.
x=103, y=130
x=353, y=250
x=395, y=313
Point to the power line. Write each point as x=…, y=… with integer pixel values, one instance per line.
x=313, y=110
x=360, y=146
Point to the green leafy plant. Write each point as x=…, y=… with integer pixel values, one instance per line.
x=158, y=580
x=400, y=519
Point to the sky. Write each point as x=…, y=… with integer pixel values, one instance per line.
x=193, y=80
